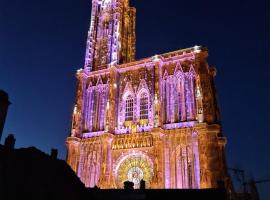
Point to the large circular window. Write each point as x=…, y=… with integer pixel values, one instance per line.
x=134, y=168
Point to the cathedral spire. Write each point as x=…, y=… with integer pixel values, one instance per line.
x=111, y=37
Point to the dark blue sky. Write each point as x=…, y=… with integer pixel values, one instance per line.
x=42, y=44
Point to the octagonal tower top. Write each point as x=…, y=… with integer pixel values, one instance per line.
x=111, y=37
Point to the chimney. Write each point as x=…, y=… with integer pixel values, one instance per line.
x=54, y=153
x=4, y=103
x=10, y=142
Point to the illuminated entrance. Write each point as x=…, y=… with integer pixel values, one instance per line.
x=134, y=168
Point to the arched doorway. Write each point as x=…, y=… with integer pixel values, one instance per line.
x=134, y=167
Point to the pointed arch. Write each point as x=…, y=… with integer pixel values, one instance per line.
x=143, y=85
x=192, y=72
x=179, y=94
x=128, y=91
x=99, y=81
x=97, y=96
x=129, y=108
x=143, y=101
x=185, y=170
x=144, y=105
x=190, y=85
x=128, y=103
x=165, y=75
x=178, y=71
x=90, y=86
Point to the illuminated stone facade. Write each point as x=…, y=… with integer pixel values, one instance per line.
x=154, y=119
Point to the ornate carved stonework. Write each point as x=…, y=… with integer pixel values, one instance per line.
x=154, y=119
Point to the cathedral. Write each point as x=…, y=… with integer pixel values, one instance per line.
x=155, y=119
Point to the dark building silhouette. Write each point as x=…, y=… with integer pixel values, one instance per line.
x=28, y=173
x=128, y=185
x=10, y=142
x=153, y=194
x=54, y=153
x=4, y=103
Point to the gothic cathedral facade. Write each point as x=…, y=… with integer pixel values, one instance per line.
x=154, y=119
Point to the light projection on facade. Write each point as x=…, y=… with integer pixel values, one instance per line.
x=134, y=167
x=154, y=119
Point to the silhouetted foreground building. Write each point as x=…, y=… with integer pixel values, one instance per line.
x=28, y=173
x=167, y=194
x=4, y=103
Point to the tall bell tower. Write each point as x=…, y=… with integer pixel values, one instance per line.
x=111, y=38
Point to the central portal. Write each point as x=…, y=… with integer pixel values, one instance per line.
x=134, y=168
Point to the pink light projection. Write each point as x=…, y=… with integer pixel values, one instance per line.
x=154, y=118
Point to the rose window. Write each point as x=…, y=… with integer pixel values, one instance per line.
x=134, y=169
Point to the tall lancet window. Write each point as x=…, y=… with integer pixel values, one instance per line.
x=144, y=106
x=185, y=169
x=179, y=95
x=97, y=110
x=129, y=108
x=95, y=107
x=190, y=97
x=177, y=108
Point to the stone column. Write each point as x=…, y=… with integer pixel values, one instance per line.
x=106, y=165
x=167, y=174
x=157, y=120
x=158, y=156
x=113, y=99
x=211, y=162
x=73, y=152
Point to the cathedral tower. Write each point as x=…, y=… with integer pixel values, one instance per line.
x=111, y=38
x=155, y=119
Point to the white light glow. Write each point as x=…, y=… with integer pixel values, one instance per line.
x=197, y=49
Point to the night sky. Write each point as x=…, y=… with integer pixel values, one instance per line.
x=42, y=44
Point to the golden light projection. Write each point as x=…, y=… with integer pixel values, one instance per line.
x=134, y=168
x=155, y=118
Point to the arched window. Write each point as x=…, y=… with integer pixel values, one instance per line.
x=129, y=108
x=190, y=97
x=144, y=106
x=185, y=169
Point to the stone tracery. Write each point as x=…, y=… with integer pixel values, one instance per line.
x=160, y=110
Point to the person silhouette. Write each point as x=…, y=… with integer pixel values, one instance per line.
x=142, y=184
